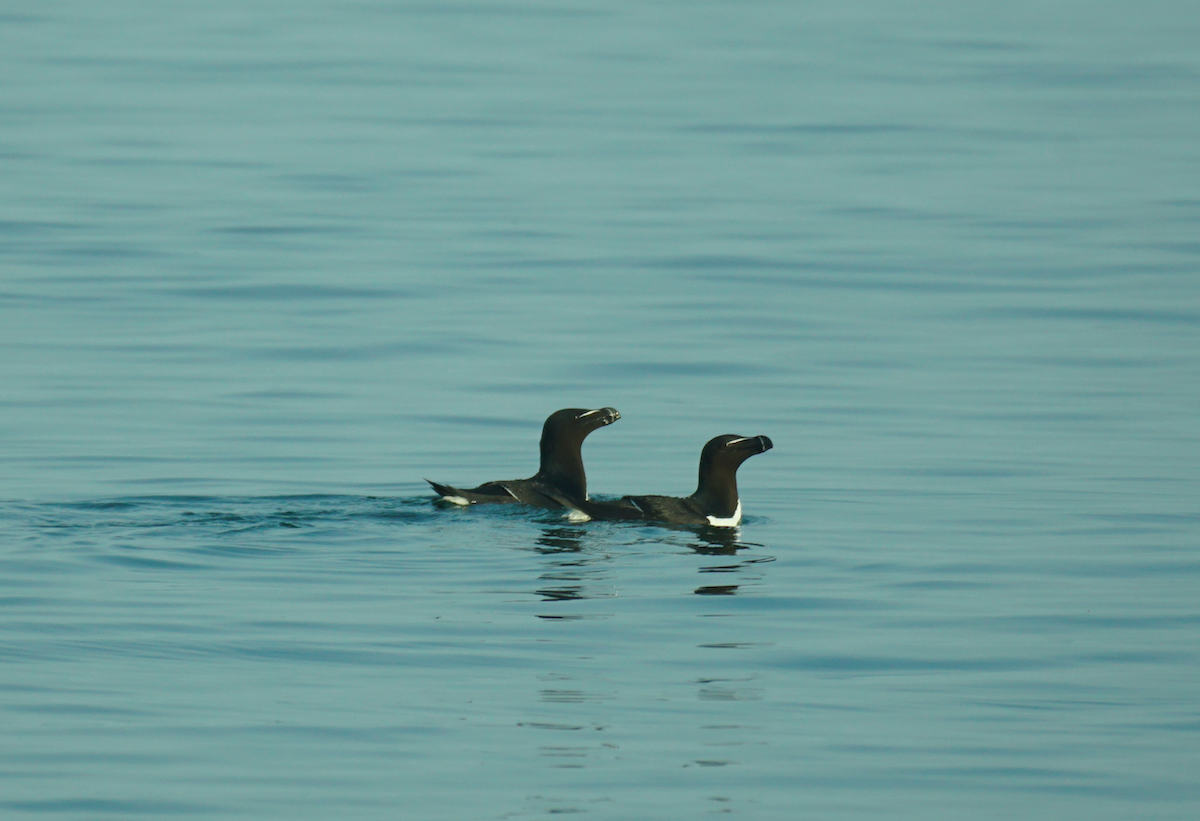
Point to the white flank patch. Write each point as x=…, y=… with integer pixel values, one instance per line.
x=456, y=500
x=732, y=521
x=574, y=515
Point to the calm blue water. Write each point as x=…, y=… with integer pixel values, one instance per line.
x=265, y=265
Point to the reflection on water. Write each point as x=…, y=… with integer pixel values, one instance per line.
x=560, y=540
x=581, y=563
x=717, y=590
x=719, y=541
x=568, y=593
x=572, y=571
x=727, y=542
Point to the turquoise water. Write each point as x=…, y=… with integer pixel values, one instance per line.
x=265, y=266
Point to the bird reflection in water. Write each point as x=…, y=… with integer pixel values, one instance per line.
x=722, y=541
x=717, y=590
x=718, y=541
x=574, y=573
x=567, y=563
x=560, y=540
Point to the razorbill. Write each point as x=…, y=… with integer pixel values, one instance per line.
x=560, y=473
x=715, y=502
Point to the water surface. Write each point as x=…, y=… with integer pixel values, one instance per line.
x=264, y=266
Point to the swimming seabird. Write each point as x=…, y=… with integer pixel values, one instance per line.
x=560, y=473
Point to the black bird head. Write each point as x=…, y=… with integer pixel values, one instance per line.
x=731, y=450
x=562, y=438
x=574, y=424
x=719, y=461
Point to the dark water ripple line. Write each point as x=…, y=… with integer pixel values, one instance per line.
x=1144, y=315
x=882, y=665
x=111, y=806
x=146, y=562
x=323, y=733
x=823, y=129
x=424, y=656
x=949, y=779
x=246, y=513
x=290, y=293
x=1088, y=621
x=657, y=370
x=76, y=710
x=105, y=757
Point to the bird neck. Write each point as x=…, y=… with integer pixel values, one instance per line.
x=562, y=467
x=717, y=492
